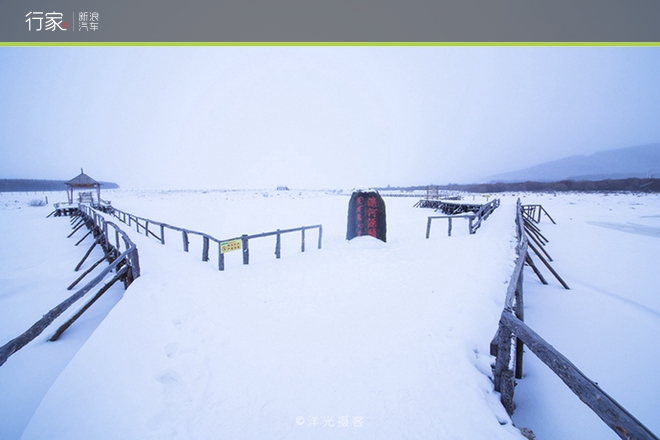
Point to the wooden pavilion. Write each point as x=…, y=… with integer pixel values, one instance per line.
x=83, y=182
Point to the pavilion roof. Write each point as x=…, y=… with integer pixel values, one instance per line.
x=83, y=180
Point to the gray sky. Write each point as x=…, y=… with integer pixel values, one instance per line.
x=316, y=117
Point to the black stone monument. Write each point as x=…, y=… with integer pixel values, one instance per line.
x=366, y=215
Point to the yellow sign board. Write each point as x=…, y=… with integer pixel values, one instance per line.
x=231, y=245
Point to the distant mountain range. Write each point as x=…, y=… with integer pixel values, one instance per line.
x=642, y=161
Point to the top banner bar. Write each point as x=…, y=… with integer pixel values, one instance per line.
x=335, y=22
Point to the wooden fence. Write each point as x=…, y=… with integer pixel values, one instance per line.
x=124, y=261
x=513, y=333
x=147, y=226
x=480, y=215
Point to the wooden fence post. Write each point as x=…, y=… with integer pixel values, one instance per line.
x=105, y=233
x=520, y=314
x=184, y=235
x=205, y=249
x=246, y=250
x=503, y=376
x=302, y=239
x=162, y=234
x=428, y=227
x=278, y=243
x=221, y=258
x=320, y=235
x=449, y=227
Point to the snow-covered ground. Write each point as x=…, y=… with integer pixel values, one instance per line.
x=361, y=339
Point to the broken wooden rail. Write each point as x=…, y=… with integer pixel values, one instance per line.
x=449, y=218
x=224, y=246
x=534, y=212
x=513, y=333
x=537, y=242
x=480, y=215
x=123, y=257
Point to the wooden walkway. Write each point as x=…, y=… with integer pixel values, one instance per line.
x=449, y=207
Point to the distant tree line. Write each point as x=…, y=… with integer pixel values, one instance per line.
x=608, y=185
x=17, y=185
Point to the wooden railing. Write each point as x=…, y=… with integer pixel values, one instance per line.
x=124, y=261
x=482, y=214
x=512, y=333
x=145, y=225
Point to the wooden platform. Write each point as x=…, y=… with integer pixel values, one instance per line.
x=65, y=209
x=448, y=207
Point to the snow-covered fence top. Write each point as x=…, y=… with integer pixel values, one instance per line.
x=513, y=331
x=123, y=258
x=224, y=246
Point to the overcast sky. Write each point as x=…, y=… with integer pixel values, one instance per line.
x=316, y=117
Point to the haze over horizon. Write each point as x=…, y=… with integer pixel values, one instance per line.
x=317, y=117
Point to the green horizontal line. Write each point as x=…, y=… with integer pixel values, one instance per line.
x=331, y=44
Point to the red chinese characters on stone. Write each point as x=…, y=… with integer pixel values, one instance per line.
x=371, y=217
x=360, y=217
x=366, y=216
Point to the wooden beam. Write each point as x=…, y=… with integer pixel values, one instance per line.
x=541, y=246
x=72, y=285
x=546, y=213
x=538, y=254
x=88, y=252
x=76, y=229
x=82, y=239
x=538, y=273
x=107, y=286
x=537, y=231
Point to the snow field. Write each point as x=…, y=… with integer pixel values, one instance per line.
x=372, y=340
